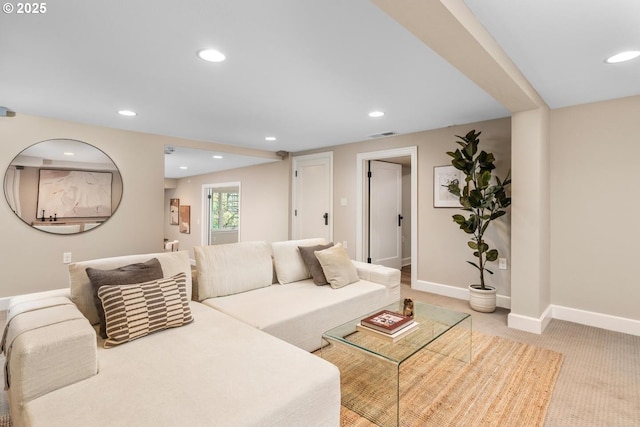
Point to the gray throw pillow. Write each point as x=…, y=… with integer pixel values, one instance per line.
x=311, y=260
x=125, y=275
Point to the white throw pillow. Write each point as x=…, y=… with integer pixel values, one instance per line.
x=289, y=265
x=337, y=266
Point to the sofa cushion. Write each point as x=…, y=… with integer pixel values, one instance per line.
x=80, y=286
x=300, y=312
x=134, y=311
x=125, y=275
x=288, y=263
x=337, y=266
x=312, y=263
x=232, y=268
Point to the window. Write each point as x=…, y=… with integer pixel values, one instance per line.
x=224, y=212
x=221, y=213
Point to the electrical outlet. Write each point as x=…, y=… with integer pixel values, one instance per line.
x=502, y=263
x=344, y=244
x=66, y=258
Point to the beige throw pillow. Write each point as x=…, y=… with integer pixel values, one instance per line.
x=337, y=266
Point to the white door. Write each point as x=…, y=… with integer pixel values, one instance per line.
x=312, y=196
x=385, y=214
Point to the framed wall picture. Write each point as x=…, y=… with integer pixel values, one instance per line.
x=443, y=176
x=174, y=214
x=185, y=219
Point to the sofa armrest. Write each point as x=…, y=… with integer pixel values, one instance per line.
x=48, y=345
x=387, y=276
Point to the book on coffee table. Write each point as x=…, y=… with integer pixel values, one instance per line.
x=387, y=321
x=389, y=337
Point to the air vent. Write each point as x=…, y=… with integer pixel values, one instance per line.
x=383, y=134
x=169, y=150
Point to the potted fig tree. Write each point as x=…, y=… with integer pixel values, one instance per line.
x=484, y=198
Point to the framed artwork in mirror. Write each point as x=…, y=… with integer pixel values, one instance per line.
x=174, y=206
x=443, y=176
x=185, y=219
x=74, y=193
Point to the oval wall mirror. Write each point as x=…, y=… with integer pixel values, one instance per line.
x=63, y=186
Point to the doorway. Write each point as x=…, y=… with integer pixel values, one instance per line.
x=407, y=157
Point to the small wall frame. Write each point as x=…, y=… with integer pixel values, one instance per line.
x=442, y=176
x=174, y=214
x=185, y=219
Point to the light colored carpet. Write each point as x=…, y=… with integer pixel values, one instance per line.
x=507, y=383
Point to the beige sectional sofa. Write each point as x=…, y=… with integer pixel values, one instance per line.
x=217, y=366
x=293, y=308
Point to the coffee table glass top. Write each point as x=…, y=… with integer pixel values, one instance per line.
x=433, y=322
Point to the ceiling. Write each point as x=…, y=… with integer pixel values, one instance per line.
x=306, y=72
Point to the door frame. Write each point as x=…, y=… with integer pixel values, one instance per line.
x=294, y=188
x=204, y=238
x=361, y=159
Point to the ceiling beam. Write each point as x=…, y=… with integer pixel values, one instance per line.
x=453, y=32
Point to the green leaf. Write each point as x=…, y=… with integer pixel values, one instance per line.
x=497, y=215
x=459, y=219
x=472, y=245
x=492, y=255
x=474, y=264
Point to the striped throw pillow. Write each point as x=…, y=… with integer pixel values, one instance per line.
x=134, y=311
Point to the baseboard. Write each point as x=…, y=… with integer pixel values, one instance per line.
x=530, y=324
x=598, y=320
x=406, y=261
x=502, y=301
x=537, y=325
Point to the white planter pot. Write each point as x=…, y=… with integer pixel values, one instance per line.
x=482, y=300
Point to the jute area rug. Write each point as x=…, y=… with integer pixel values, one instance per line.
x=507, y=383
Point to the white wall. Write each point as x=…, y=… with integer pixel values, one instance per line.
x=594, y=207
x=442, y=247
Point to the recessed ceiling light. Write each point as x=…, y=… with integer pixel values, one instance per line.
x=623, y=56
x=217, y=156
x=183, y=167
x=376, y=114
x=127, y=113
x=211, y=55
x=68, y=154
x=270, y=138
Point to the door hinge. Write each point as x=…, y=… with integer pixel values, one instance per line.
x=369, y=174
x=296, y=174
x=295, y=212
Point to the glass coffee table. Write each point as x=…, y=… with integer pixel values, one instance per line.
x=376, y=370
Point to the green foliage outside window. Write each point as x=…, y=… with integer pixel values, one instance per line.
x=224, y=211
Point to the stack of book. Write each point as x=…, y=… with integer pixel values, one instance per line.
x=388, y=324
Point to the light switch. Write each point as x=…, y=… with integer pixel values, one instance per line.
x=502, y=263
